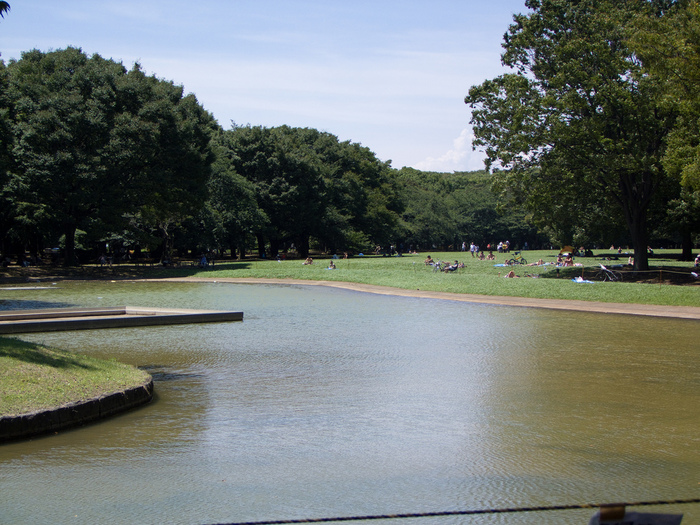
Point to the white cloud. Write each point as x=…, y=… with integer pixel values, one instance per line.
x=461, y=157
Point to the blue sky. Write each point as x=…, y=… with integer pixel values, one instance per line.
x=391, y=75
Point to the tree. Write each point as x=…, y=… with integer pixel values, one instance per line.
x=95, y=145
x=444, y=209
x=310, y=185
x=172, y=171
x=4, y=8
x=63, y=108
x=232, y=210
x=577, y=131
x=363, y=198
x=669, y=48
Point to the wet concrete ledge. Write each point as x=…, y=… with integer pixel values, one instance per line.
x=59, y=319
x=33, y=424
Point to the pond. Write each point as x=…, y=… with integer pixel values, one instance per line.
x=327, y=402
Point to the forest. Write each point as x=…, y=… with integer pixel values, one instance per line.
x=591, y=141
x=102, y=161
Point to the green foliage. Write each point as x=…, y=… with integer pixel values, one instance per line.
x=310, y=185
x=668, y=45
x=444, y=209
x=576, y=138
x=94, y=144
x=578, y=131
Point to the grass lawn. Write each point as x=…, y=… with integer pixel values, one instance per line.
x=34, y=377
x=669, y=282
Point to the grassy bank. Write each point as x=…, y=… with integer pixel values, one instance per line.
x=34, y=377
x=669, y=282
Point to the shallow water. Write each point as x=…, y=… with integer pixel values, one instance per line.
x=327, y=402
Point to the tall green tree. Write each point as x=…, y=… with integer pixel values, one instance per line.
x=669, y=48
x=7, y=208
x=444, y=209
x=363, y=199
x=172, y=173
x=287, y=181
x=577, y=130
x=64, y=107
x=231, y=212
x=309, y=185
x=95, y=144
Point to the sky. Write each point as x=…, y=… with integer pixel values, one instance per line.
x=388, y=74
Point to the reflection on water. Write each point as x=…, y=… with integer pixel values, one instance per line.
x=329, y=402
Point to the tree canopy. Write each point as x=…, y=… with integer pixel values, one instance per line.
x=589, y=138
x=93, y=143
x=308, y=185
x=577, y=132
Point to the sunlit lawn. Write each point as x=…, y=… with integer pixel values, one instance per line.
x=34, y=377
x=486, y=277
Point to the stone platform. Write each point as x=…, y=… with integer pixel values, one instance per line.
x=60, y=319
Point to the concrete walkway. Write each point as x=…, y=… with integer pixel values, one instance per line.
x=679, y=312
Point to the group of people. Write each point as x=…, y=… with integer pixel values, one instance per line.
x=477, y=252
x=443, y=266
x=331, y=265
x=565, y=261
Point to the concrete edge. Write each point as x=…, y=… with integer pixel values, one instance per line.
x=57, y=319
x=33, y=424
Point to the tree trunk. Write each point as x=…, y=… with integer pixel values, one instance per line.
x=687, y=246
x=261, y=245
x=303, y=247
x=274, y=248
x=70, y=259
x=638, y=231
x=166, y=255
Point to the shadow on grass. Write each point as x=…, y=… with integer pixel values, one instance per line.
x=38, y=355
x=673, y=275
x=187, y=271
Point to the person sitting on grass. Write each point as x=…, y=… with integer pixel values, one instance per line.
x=452, y=267
x=538, y=263
x=308, y=260
x=428, y=260
x=331, y=266
x=510, y=275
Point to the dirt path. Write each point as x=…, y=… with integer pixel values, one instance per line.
x=679, y=312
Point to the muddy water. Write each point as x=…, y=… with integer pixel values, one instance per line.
x=329, y=402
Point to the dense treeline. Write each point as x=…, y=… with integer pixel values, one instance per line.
x=98, y=160
x=101, y=160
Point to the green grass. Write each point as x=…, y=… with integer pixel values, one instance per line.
x=482, y=277
x=34, y=377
